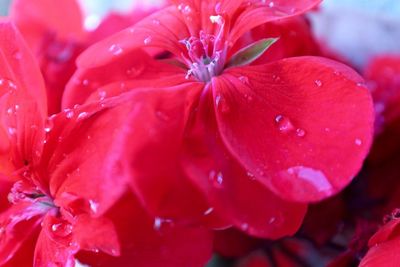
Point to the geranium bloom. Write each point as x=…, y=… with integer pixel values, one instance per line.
x=67, y=190
x=259, y=142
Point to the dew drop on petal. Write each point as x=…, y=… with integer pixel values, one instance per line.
x=283, y=123
x=155, y=22
x=85, y=82
x=271, y=220
x=69, y=113
x=315, y=178
x=300, y=132
x=62, y=229
x=102, y=94
x=147, y=40
x=221, y=104
x=12, y=130
x=271, y=4
x=82, y=115
x=216, y=178
x=94, y=206
x=358, y=142
x=116, y=50
x=244, y=79
x=318, y=83
x=49, y=124
x=157, y=223
x=244, y=226
x=7, y=85
x=208, y=211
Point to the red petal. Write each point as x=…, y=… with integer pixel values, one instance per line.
x=23, y=107
x=384, y=254
x=231, y=190
x=82, y=155
x=258, y=12
x=17, y=224
x=162, y=29
x=49, y=252
x=130, y=67
x=96, y=234
x=156, y=175
x=145, y=243
x=289, y=123
x=40, y=17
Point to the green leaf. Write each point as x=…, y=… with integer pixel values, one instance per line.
x=251, y=52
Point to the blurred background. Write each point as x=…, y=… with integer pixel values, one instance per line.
x=357, y=29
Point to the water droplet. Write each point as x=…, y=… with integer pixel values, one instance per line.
x=85, y=82
x=216, y=178
x=157, y=223
x=160, y=222
x=116, y=50
x=95, y=250
x=284, y=124
x=244, y=226
x=271, y=4
x=276, y=78
x=82, y=115
x=94, y=206
x=314, y=177
x=251, y=175
x=358, y=142
x=102, y=94
x=62, y=229
x=49, y=124
x=10, y=111
x=300, y=132
x=185, y=9
x=155, y=22
x=147, y=40
x=318, y=83
x=244, y=79
x=272, y=220
x=221, y=104
x=7, y=85
x=208, y=211
x=69, y=113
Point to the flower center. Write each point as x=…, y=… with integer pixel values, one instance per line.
x=23, y=191
x=206, y=53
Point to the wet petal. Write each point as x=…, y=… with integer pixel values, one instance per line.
x=233, y=191
x=146, y=245
x=290, y=129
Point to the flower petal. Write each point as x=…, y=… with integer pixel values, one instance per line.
x=49, y=252
x=162, y=29
x=23, y=108
x=96, y=234
x=232, y=191
x=132, y=66
x=38, y=18
x=157, y=178
x=257, y=12
x=82, y=155
x=17, y=224
x=384, y=254
x=291, y=122
x=146, y=242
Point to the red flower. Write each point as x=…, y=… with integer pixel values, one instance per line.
x=69, y=190
x=259, y=142
x=55, y=32
x=384, y=245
